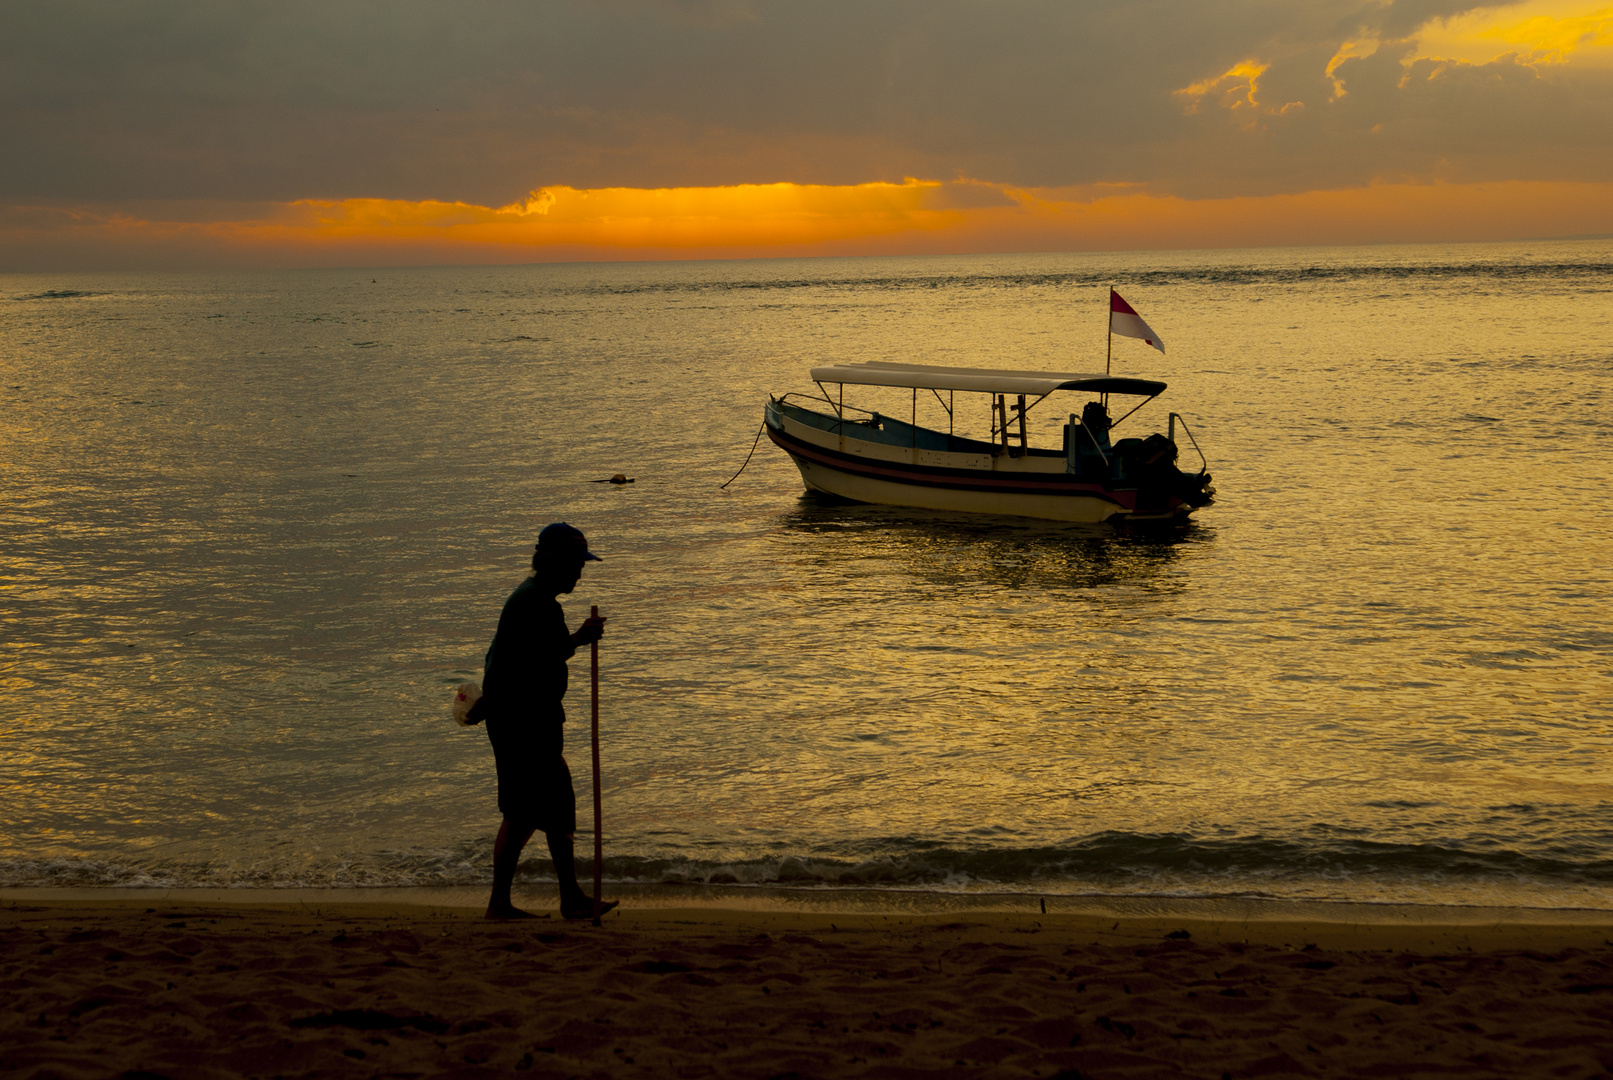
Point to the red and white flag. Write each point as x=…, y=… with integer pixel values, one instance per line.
x=1124, y=320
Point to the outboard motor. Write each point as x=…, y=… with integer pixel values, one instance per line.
x=1150, y=464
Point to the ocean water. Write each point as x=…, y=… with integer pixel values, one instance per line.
x=256, y=526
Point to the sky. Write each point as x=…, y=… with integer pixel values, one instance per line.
x=201, y=133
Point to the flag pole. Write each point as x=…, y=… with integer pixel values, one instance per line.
x=1109, y=340
x=599, y=839
x=1109, y=350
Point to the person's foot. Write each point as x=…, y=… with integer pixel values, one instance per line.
x=509, y=911
x=585, y=910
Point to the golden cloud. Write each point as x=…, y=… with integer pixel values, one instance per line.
x=1350, y=50
x=1238, y=87
x=705, y=217
x=1537, y=32
x=770, y=220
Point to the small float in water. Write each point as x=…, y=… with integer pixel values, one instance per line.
x=864, y=456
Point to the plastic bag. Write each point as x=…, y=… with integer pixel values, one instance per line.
x=465, y=698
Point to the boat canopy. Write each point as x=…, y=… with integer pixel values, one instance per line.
x=980, y=380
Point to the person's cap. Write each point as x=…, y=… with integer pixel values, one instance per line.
x=561, y=539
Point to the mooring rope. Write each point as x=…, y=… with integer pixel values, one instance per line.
x=757, y=442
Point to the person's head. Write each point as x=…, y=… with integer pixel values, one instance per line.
x=559, y=557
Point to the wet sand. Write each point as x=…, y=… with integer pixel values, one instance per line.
x=183, y=988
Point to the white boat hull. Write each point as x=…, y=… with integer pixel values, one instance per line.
x=824, y=478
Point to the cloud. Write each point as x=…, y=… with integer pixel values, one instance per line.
x=1351, y=49
x=773, y=220
x=1236, y=88
x=482, y=101
x=1537, y=32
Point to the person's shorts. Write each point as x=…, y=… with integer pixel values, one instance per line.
x=534, y=782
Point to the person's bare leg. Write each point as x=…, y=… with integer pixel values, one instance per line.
x=506, y=855
x=561, y=850
x=574, y=903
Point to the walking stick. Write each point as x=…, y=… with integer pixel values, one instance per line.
x=599, y=836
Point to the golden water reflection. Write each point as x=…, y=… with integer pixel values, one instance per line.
x=1377, y=664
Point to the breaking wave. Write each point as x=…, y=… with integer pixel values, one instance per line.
x=1109, y=864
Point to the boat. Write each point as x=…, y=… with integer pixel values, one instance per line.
x=867, y=457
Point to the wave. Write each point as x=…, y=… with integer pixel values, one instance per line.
x=1119, y=864
x=58, y=294
x=1501, y=272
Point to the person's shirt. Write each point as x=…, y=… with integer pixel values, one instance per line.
x=525, y=673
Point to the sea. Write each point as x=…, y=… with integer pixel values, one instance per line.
x=258, y=525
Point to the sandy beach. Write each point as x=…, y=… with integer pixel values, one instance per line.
x=176, y=989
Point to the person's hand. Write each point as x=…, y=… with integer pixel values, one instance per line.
x=591, y=630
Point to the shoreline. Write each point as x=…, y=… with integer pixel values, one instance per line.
x=866, y=900
x=1251, y=921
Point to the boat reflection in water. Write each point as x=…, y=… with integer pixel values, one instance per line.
x=863, y=456
x=951, y=554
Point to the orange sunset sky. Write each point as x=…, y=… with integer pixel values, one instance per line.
x=195, y=134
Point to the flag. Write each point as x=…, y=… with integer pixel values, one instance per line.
x=1124, y=320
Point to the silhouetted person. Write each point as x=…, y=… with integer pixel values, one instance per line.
x=1095, y=418
x=522, y=687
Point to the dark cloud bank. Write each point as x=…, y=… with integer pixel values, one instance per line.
x=481, y=100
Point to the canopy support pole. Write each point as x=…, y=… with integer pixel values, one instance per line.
x=1139, y=405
